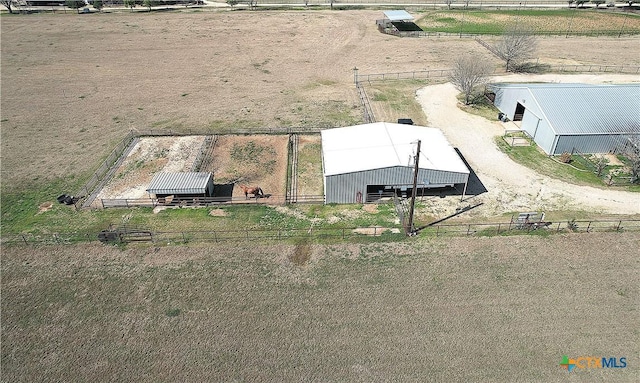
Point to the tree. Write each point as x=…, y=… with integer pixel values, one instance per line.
x=597, y=2
x=74, y=4
x=517, y=44
x=232, y=3
x=633, y=155
x=580, y=3
x=449, y=2
x=97, y=4
x=149, y=3
x=571, y=2
x=469, y=72
x=130, y=4
x=7, y=4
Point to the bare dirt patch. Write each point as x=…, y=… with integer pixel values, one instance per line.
x=217, y=213
x=256, y=160
x=149, y=156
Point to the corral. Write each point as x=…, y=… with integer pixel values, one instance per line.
x=234, y=160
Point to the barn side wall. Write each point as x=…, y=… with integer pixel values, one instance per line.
x=593, y=143
x=344, y=188
x=507, y=99
x=539, y=130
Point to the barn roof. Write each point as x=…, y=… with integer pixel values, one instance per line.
x=383, y=144
x=179, y=183
x=398, y=15
x=582, y=109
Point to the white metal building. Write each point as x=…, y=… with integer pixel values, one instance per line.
x=564, y=117
x=364, y=161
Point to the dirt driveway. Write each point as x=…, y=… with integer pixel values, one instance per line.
x=513, y=187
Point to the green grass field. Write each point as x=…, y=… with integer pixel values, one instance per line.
x=561, y=21
x=460, y=309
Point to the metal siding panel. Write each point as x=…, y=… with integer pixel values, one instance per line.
x=603, y=143
x=507, y=99
x=343, y=188
x=545, y=137
x=180, y=183
x=593, y=109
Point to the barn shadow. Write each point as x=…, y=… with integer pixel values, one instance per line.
x=223, y=191
x=475, y=187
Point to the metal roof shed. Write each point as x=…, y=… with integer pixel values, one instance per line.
x=564, y=117
x=189, y=183
x=363, y=159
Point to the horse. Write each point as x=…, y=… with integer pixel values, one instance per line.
x=255, y=190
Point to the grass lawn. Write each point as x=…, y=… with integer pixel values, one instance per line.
x=560, y=21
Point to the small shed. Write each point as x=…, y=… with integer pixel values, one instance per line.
x=565, y=117
x=184, y=184
x=398, y=22
x=361, y=163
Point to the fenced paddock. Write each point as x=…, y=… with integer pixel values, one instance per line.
x=320, y=233
x=102, y=175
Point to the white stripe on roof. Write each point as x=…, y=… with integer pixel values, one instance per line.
x=383, y=144
x=398, y=15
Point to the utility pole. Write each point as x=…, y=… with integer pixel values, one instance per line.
x=411, y=232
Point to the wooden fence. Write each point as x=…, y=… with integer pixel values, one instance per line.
x=320, y=233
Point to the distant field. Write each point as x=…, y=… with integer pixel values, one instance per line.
x=560, y=22
x=454, y=310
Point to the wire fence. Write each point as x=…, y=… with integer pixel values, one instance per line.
x=89, y=191
x=270, y=199
x=320, y=233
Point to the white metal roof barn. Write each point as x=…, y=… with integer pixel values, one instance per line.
x=187, y=184
x=564, y=117
x=362, y=162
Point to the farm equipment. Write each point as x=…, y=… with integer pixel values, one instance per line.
x=124, y=234
x=68, y=199
x=529, y=221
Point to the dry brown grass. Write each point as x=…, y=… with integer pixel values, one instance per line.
x=464, y=309
x=72, y=86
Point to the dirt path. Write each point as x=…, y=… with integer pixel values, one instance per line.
x=513, y=187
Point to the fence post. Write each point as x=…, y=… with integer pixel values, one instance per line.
x=437, y=230
x=24, y=239
x=588, y=226
x=184, y=239
x=498, y=229
x=558, y=228
x=619, y=224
